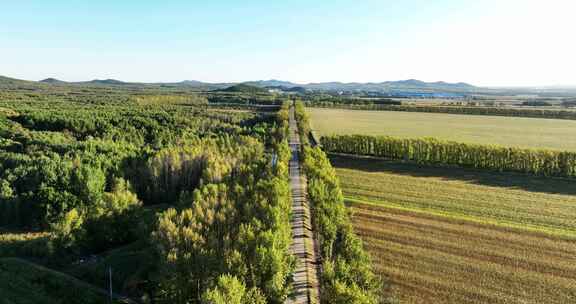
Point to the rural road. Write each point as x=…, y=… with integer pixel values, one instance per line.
x=306, y=281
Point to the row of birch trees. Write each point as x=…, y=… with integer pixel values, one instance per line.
x=435, y=151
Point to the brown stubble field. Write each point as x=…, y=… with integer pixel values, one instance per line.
x=451, y=235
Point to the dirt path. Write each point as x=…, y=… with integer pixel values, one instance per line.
x=306, y=280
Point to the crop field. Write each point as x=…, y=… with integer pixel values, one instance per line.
x=448, y=235
x=508, y=131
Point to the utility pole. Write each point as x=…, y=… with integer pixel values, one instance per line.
x=110, y=286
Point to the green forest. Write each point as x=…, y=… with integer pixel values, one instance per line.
x=193, y=188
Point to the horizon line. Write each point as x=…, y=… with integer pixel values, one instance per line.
x=559, y=86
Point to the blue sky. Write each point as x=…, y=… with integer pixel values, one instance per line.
x=490, y=42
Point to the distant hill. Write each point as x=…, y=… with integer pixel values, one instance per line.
x=199, y=85
x=419, y=83
x=53, y=81
x=298, y=89
x=262, y=86
x=192, y=83
x=107, y=82
x=7, y=83
x=13, y=81
x=390, y=86
x=271, y=83
x=286, y=85
x=387, y=88
x=244, y=88
x=95, y=81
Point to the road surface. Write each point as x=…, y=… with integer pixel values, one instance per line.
x=306, y=287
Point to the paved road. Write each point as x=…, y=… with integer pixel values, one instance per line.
x=306, y=280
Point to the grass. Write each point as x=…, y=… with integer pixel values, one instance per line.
x=448, y=235
x=16, y=243
x=508, y=131
x=131, y=265
x=22, y=282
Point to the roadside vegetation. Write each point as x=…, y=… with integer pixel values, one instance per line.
x=347, y=275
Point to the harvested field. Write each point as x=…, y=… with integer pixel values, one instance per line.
x=432, y=259
x=447, y=235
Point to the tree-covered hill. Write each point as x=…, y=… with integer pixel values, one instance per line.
x=244, y=88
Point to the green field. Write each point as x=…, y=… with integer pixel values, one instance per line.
x=462, y=236
x=508, y=131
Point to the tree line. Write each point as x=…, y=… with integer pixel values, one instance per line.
x=435, y=151
x=347, y=274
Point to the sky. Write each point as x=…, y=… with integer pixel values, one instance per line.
x=483, y=42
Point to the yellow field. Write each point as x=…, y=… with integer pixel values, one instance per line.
x=460, y=236
x=507, y=131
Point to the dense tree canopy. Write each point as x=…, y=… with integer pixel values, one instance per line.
x=228, y=239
